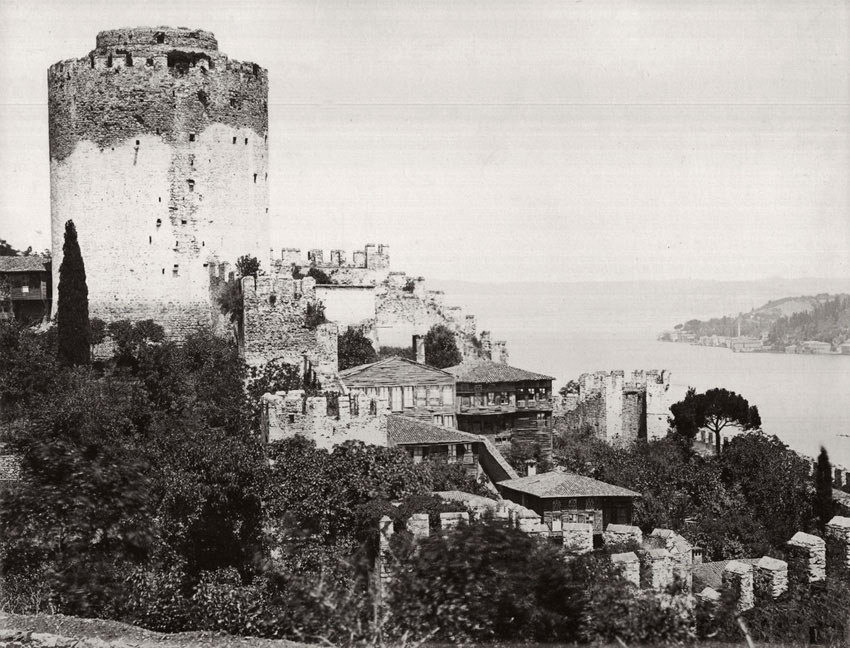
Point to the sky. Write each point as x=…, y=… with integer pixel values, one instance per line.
x=496, y=140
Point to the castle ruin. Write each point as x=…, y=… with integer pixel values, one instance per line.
x=618, y=410
x=159, y=154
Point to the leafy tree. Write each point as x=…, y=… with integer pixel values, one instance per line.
x=409, y=285
x=521, y=452
x=355, y=349
x=97, y=329
x=132, y=339
x=402, y=352
x=824, y=506
x=72, y=311
x=28, y=368
x=315, y=315
x=6, y=249
x=247, y=266
x=231, y=301
x=441, y=348
x=713, y=410
x=320, y=276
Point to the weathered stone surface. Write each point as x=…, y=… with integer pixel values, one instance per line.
x=656, y=569
x=709, y=594
x=159, y=154
x=275, y=317
x=806, y=559
x=453, y=520
x=577, y=537
x=629, y=566
x=738, y=576
x=419, y=525
x=770, y=578
x=838, y=547
x=622, y=534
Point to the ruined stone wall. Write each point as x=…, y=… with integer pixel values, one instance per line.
x=348, y=305
x=328, y=420
x=159, y=154
x=367, y=267
x=275, y=316
x=621, y=408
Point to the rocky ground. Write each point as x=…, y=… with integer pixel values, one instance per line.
x=59, y=631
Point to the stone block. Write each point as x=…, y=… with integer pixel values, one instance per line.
x=838, y=547
x=709, y=594
x=806, y=559
x=628, y=565
x=770, y=578
x=419, y=525
x=577, y=537
x=453, y=520
x=622, y=534
x=738, y=576
x=656, y=569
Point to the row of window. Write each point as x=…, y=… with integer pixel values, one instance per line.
x=401, y=398
x=479, y=399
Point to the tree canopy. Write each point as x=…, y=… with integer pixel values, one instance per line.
x=441, y=348
x=713, y=410
x=247, y=266
x=824, y=505
x=72, y=311
x=355, y=349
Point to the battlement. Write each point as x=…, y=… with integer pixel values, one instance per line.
x=276, y=289
x=154, y=38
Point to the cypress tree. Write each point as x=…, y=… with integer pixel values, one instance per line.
x=72, y=311
x=823, y=489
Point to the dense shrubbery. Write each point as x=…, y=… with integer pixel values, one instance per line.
x=747, y=502
x=147, y=496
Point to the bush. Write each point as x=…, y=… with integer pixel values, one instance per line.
x=484, y=582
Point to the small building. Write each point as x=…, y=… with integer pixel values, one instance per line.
x=744, y=344
x=426, y=441
x=581, y=499
x=504, y=403
x=25, y=288
x=845, y=348
x=410, y=388
x=815, y=346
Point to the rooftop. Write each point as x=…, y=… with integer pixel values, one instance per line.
x=32, y=263
x=563, y=484
x=392, y=372
x=487, y=371
x=402, y=430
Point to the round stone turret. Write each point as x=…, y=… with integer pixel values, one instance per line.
x=159, y=154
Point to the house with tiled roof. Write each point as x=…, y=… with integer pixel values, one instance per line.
x=408, y=387
x=430, y=442
x=25, y=288
x=504, y=403
x=573, y=497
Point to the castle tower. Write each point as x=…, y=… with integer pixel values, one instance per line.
x=159, y=154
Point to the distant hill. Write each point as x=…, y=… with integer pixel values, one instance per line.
x=782, y=322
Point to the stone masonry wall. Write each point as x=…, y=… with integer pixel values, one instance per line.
x=328, y=420
x=275, y=310
x=159, y=154
x=620, y=408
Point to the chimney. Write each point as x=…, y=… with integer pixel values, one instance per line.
x=530, y=467
x=419, y=348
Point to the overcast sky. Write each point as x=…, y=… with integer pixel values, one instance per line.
x=495, y=140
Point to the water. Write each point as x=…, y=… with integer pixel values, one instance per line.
x=566, y=329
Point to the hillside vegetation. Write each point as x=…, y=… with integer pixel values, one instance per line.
x=790, y=320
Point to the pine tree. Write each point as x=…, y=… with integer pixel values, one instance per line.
x=72, y=311
x=824, y=507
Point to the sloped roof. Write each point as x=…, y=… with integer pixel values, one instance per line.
x=403, y=430
x=32, y=263
x=564, y=484
x=678, y=541
x=710, y=574
x=393, y=371
x=487, y=371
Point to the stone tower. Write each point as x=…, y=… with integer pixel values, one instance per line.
x=159, y=154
